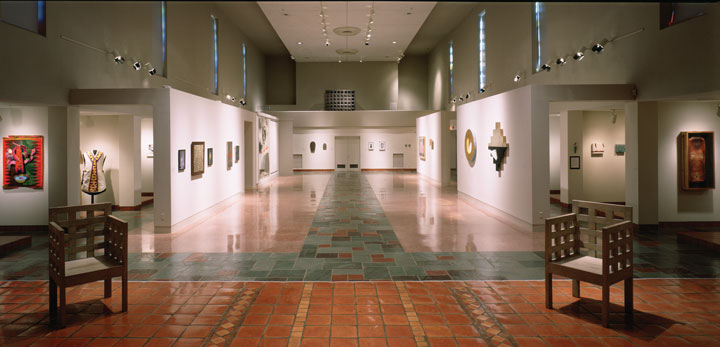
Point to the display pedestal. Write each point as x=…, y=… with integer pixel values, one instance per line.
x=92, y=196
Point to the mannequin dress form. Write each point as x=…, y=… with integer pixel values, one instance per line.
x=93, y=176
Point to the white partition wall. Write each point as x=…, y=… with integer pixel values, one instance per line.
x=437, y=162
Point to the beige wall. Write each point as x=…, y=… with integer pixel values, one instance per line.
x=49, y=66
x=603, y=175
x=280, y=87
x=375, y=84
x=412, y=83
x=661, y=63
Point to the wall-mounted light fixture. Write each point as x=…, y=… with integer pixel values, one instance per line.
x=545, y=67
x=517, y=78
x=579, y=56
x=119, y=59
x=150, y=69
x=560, y=61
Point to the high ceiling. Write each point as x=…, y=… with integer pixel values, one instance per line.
x=299, y=26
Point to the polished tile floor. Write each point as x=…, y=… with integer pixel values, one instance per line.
x=355, y=226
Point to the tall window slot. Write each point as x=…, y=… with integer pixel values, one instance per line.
x=29, y=15
x=452, y=91
x=481, y=51
x=215, y=54
x=244, y=53
x=537, y=42
x=159, y=42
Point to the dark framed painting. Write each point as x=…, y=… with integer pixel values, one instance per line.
x=574, y=162
x=229, y=154
x=23, y=161
x=697, y=160
x=237, y=154
x=181, y=160
x=197, y=158
x=210, y=157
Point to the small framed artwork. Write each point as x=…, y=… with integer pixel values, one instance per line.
x=421, y=147
x=371, y=146
x=197, y=158
x=620, y=149
x=181, y=160
x=697, y=164
x=210, y=157
x=237, y=154
x=383, y=146
x=229, y=154
x=574, y=162
x=432, y=144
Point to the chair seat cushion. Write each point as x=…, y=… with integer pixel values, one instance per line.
x=583, y=263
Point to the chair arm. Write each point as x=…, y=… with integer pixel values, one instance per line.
x=617, y=247
x=116, y=239
x=56, y=254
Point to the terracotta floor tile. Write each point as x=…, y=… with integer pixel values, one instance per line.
x=464, y=330
x=371, y=331
x=132, y=342
x=401, y=342
x=441, y=341
x=398, y=331
x=170, y=331
x=281, y=319
x=160, y=342
x=315, y=342
x=256, y=319
x=344, y=331
x=344, y=319
x=343, y=342
x=369, y=319
x=395, y=319
x=188, y=342
x=274, y=342
x=316, y=331
x=244, y=341
x=277, y=331
x=530, y=342
x=470, y=342
x=437, y=331
x=372, y=342
x=318, y=319
x=251, y=331
x=143, y=331
x=196, y=332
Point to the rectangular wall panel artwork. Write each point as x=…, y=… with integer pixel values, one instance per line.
x=197, y=158
x=23, y=162
x=697, y=160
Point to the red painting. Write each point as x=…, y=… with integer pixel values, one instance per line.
x=697, y=160
x=23, y=162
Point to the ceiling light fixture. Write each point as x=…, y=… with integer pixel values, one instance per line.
x=151, y=69
x=299, y=42
x=323, y=21
x=369, y=25
x=545, y=67
x=560, y=61
x=394, y=42
x=598, y=48
x=118, y=58
x=517, y=78
x=136, y=64
x=579, y=56
x=242, y=101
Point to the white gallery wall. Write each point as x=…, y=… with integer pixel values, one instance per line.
x=193, y=118
x=25, y=206
x=603, y=175
x=395, y=139
x=675, y=204
x=508, y=190
x=146, y=161
x=437, y=163
x=555, y=155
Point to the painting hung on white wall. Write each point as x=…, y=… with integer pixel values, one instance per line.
x=371, y=146
x=470, y=148
x=697, y=165
x=498, y=147
x=383, y=146
x=150, y=151
x=421, y=147
x=197, y=158
x=597, y=149
x=181, y=160
x=263, y=147
x=23, y=162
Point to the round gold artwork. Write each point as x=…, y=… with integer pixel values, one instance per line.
x=470, y=148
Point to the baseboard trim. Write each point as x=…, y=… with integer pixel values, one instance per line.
x=24, y=228
x=127, y=208
x=147, y=194
x=391, y=169
x=311, y=170
x=690, y=224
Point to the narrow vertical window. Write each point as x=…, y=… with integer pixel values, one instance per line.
x=481, y=51
x=159, y=38
x=244, y=53
x=215, y=55
x=537, y=42
x=452, y=91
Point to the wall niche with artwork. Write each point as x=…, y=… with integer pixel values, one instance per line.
x=696, y=160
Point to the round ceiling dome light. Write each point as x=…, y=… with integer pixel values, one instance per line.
x=347, y=31
x=346, y=51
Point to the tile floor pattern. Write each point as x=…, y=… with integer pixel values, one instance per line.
x=668, y=312
x=350, y=238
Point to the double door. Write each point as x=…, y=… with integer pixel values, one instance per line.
x=347, y=153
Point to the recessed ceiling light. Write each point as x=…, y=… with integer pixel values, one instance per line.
x=299, y=42
x=394, y=42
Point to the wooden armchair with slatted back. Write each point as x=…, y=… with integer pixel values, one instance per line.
x=87, y=244
x=575, y=249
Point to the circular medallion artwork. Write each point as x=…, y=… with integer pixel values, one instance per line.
x=470, y=148
x=312, y=147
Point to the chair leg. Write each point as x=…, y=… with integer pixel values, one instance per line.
x=124, y=293
x=548, y=291
x=53, y=299
x=605, y=305
x=629, y=301
x=576, y=288
x=108, y=287
x=62, y=306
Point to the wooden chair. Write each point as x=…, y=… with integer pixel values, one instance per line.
x=87, y=244
x=566, y=254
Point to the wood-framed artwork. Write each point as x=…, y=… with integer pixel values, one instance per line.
x=197, y=158
x=237, y=153
x=229, y=155
x=181, y=160
x=421, y=147
x=210, y=157
x=22, y=161
x=574, y=162
x=697, y=160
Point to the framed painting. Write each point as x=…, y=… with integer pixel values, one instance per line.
x=421, y=147
x=371, y=146
x=229, y=155
x=237, y=154
x=23, y=162
x=210, y=157
x=574, y=162
x=697, y=160
x=197, y=158
x=181, y=160
x=383, y=146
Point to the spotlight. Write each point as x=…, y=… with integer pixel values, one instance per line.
x=327, y=43
x=292, y=57
x=560, y=61
x=597, y=48
x=453, y=100
x=367, y=43
x=231, y=98
x=151, y=69
x=299, y=42
x=579, y=56
x=119, y=59
x=242, y=101
x=517, y=78
x=482, y=90
x=136, y=65
x=545, y=67
x=467, y=95
x=460, y=99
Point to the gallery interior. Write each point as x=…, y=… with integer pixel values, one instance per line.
x=387, y=173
